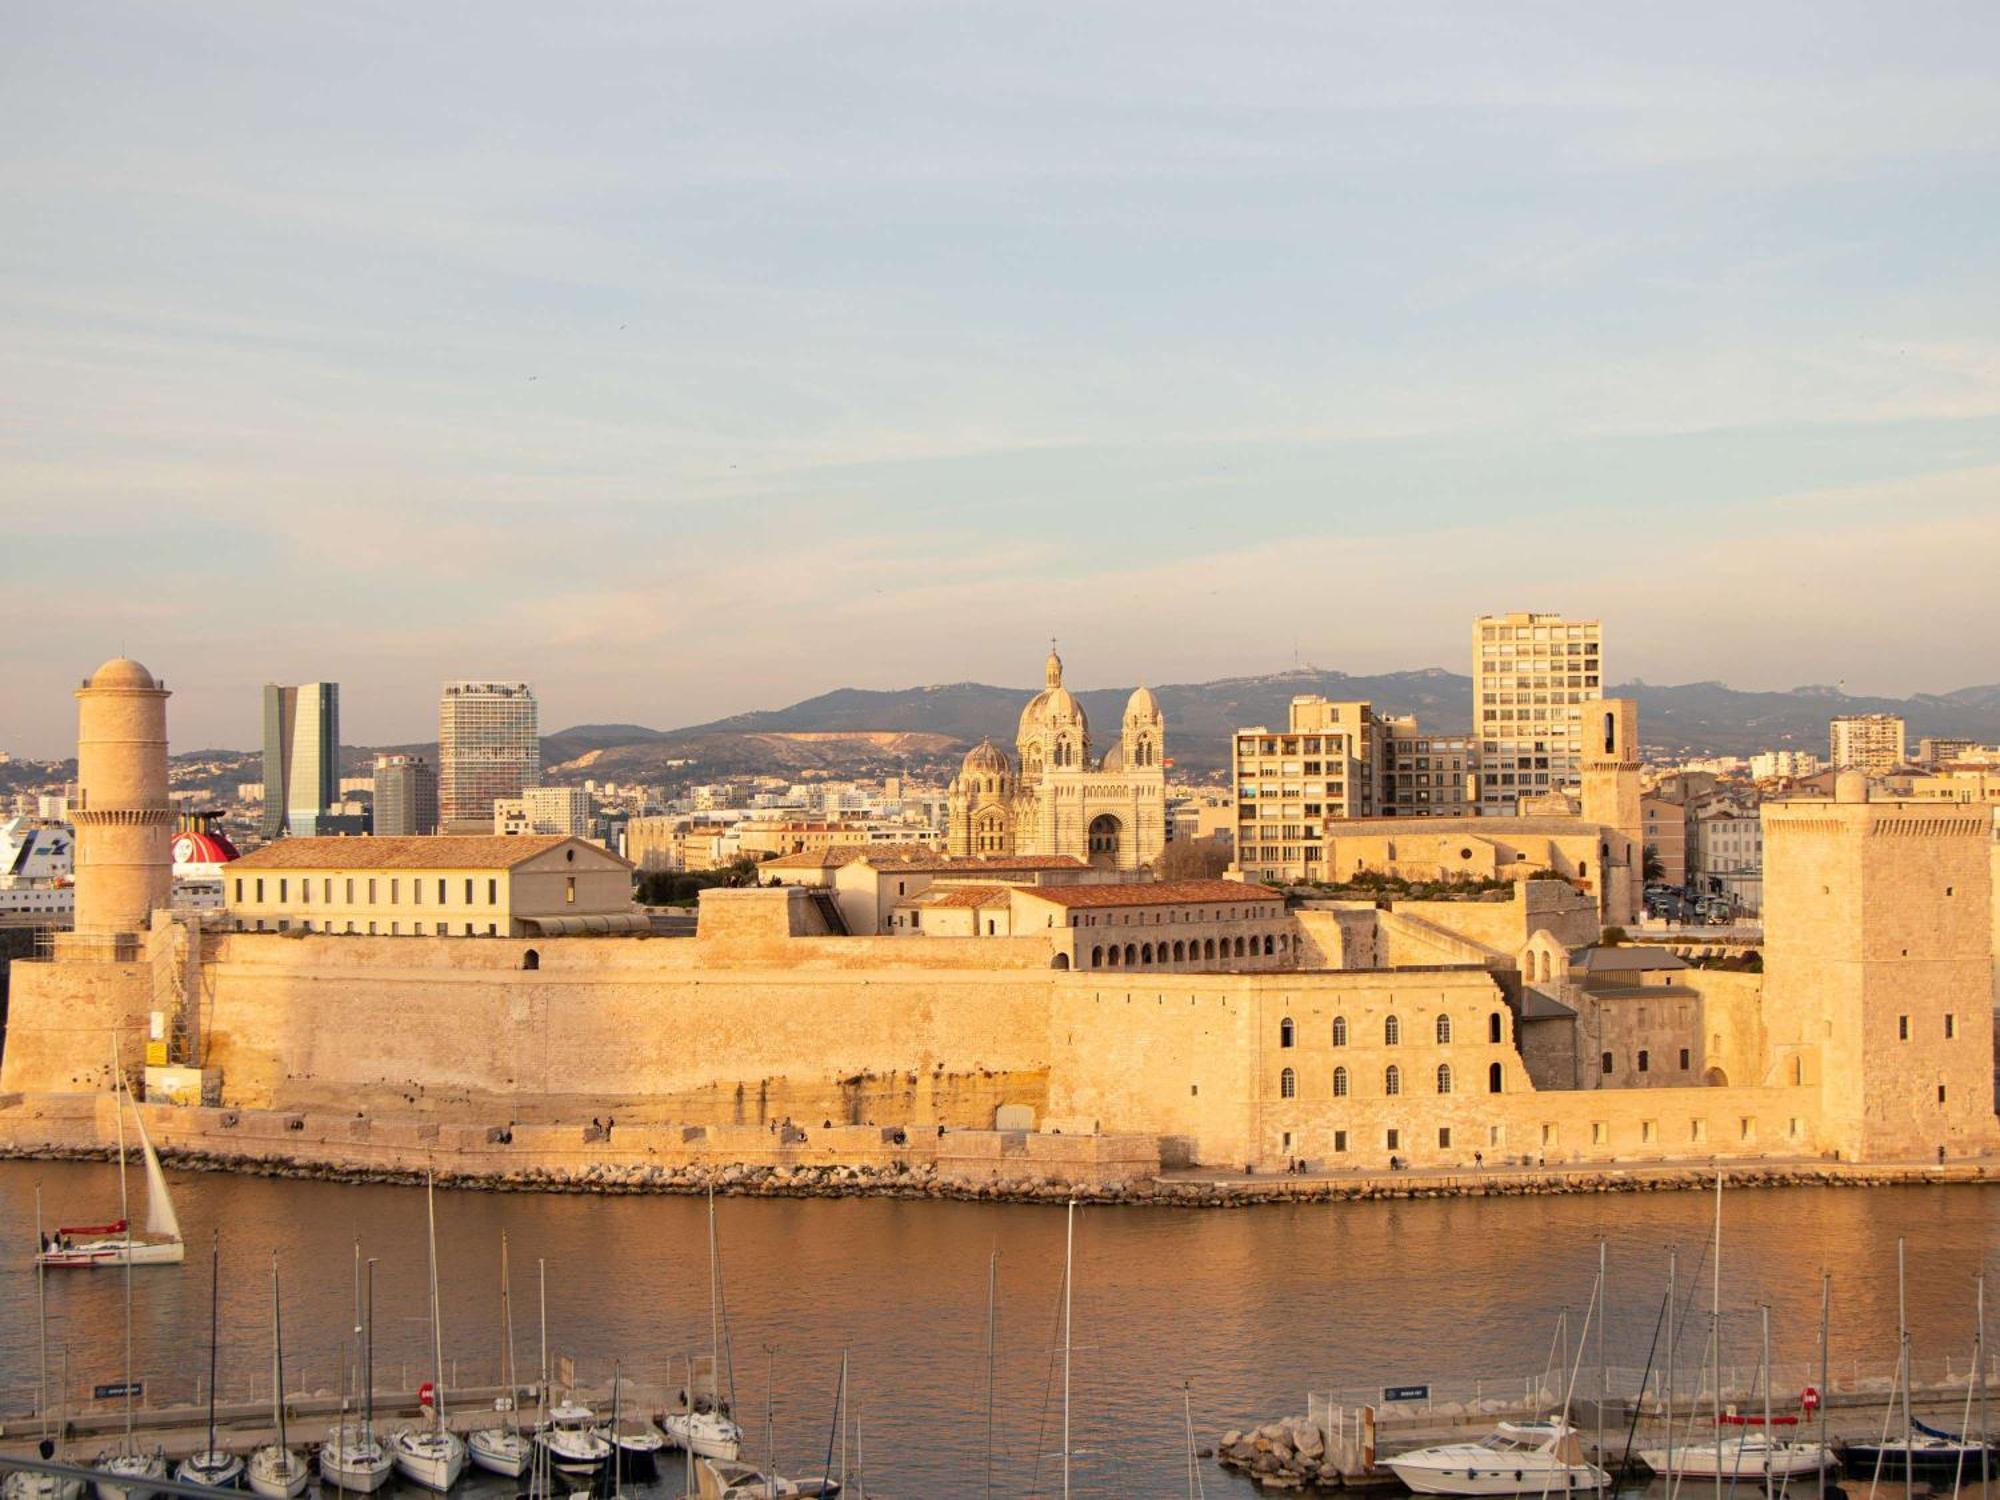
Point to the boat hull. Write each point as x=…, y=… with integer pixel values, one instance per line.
x=1697, y=1462
x=705, y=1435
x=1424, y=1479
x=277, y=1473
x=1946, y=1461
x=575, y=1451
x=21, y=1485
x=216, y=1469
x=355, y=1466
x=114, y=1253
x=127, y=1477
x=433, y=1460
x=499, y=1451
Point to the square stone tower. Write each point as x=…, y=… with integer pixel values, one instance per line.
x=1610, y=775
x=1878, y=969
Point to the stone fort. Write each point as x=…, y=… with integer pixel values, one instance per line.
x=1337, y=1033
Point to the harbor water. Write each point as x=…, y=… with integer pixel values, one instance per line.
x=1247, y=1310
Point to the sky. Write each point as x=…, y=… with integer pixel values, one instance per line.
x=684, y=359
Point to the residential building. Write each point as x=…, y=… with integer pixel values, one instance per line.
x=1935, y=750
x=301, y=756
x=1429, y=775
x=1866, y=742
x=1665, y=823
x=1784, y=765
x=489, y=747
x=544, y=809
x=1324, y=765
x=1729, y=856
x=536, y=885
x=1531, y=676
x=406, y=796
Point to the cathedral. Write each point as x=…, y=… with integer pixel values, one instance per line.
x=1052, y=797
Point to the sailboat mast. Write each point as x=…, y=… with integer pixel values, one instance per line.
x=542, y=1279
x=1979, y=1374
x=42, y=1320
x=714, y=1320
x=1770, y=1443
x=368, y=1358
x=277, y=1353
x=1715, y=1326
x=1825, y=1383
x=1069, y=1264
x=125, y=1215
x=992, y=1288
x=214, y=1325
x=437, y=1328
x=507, y=1319
x=1673, y=1268
x=1603, y=1370
x=1909, y=1376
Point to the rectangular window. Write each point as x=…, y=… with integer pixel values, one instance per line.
x=468, y=890
x=1395, y=1140
x=239, y=889
x=1649, y=1131
x=326, y=891
x=350, y=892
x=1340, y=1141
x=493, y=893
x=1698, y=1130
x=1496, y=1135
x=395, y=891
x=1684, y=1059
x=371, y=891
x=1549, y=1136
x=416, y=893
x=1599, y=1132
x=284, y=891
x=1902, y=1028
x=260, y=888
x=1746, y=1129
x=1950, y=1025
x=1444, y=1137
x=440, y=890
x=1940, y=1093
x=569, y=889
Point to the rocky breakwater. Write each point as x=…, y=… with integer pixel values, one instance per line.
x=1290, y=1454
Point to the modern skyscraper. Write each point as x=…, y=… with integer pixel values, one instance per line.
x=1531, y=676
x=301, y=756
x=406, y=796
x=489, y=747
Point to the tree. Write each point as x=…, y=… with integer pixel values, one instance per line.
x=1194, y=859
x=1651, y=867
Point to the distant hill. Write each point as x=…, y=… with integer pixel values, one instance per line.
x=862, y=732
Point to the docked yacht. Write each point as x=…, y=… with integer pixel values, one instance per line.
x=1520, y=1458
x=1929, y=1454
x=127, y=1475
x=716, y=1479
x=707, y=1434
x=1751, y=1455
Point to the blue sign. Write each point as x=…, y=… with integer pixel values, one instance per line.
x=1406, y=1393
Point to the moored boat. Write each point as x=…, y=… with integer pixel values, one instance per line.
x=1518, y=1458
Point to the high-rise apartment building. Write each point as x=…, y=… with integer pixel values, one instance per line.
x=406, y=796
x=1867, y=742
x=489, y=747
x=301, y=756
x=1326, y=764
x=1531, y=676
x=544, y=809
x=1428, y=775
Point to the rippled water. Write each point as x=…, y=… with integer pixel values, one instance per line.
x=1252, y=1308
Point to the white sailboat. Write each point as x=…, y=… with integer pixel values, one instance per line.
x=21, y=1484
x=116, y=1244
x=503, y=1449
x=433, y=1457
x=128, y=1470
x=562, y=1431
x=710, y=1432
x=353, y=1458
x=275, y=1471
x=213, y=1466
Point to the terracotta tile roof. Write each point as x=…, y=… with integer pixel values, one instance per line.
x=1154, y=893
x=966, y=895
x=437, y=852
x=917, y=859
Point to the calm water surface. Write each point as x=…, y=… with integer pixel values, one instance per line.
x=1252, y=1308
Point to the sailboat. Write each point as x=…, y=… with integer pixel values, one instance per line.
x=354, y=1458
x=212, y=1466
x=115, y=1244
x=433, y=1457
x=563, y=1431
x=276, y=1472
x=503, y=1450
x=1922, y=1452
x=23, y=1484
x=709, y=1433
x=128, y=1464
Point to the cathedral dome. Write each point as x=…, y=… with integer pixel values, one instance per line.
x=1142, y=703
x=985, y=759
x=1055, y=706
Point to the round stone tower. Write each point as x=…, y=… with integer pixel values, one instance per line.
x=124, y=827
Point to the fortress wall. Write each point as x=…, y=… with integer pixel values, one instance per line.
x=62, y=1019
x=353, y=1021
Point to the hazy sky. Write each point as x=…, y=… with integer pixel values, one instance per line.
x=690, y=358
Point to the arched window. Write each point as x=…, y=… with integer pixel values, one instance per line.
x=1340, y=1083
x=1208, y=947
x=1392, y=1080
x=1131, y=955
x=1060, y=961
x=1180, y=953
x=1270, y=945
x=1239, y=947
x=1604, y=1063
x=1493, y=1028
x=1392, y=1032
x=1288, y=1084
x=1444, y=1078
x=1286, y=1032
x=1340, y=1031
x=1644, y=1059
x=1146, y=954
x=1444, y=1030
x=1493, y=1078
x=531, y=959
x=1097, y=957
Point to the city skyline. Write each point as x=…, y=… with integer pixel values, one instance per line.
x=824, y=337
